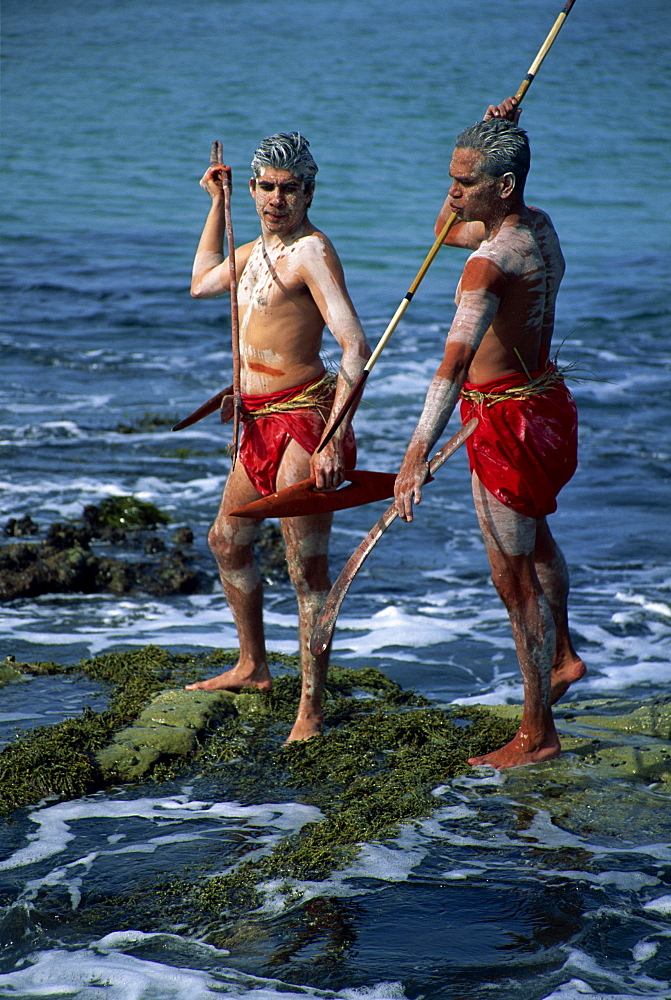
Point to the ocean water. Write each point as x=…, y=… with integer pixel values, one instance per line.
x=109, y=110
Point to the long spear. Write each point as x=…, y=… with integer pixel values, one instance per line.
x=216, y=159
x=358, y=386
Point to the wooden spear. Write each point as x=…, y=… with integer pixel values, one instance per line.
x=358, y=386
x=216, y=158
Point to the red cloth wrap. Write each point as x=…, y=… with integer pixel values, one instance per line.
x=264, y=439
x=524, y=450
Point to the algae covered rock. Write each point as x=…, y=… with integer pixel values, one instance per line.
x=69, y=559
x=379, y=764
x=649, y=764
x=188, y=709
x=170, y=727
x=252, y=703
x=9, y=672
x=61, y=760
x=74, y=556
x=650, y=719
x=127, y=762
x=125, y=512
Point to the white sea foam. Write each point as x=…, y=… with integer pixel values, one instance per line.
x=502, y=693
x=65, y=497
x=121, y=977
x=625, y=880
x=103, y=621
x=114, y=975
x=392, y=626
x=56, y=824
x=587, y=966
x=34, y=407
x=654, y=607
x=381, y=991
x=660, y=905
x=578, y=989
x=96, y=973
x=619, y=659
x=391, y=862
x=644, y=950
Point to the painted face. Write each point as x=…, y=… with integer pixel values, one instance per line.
x=281, y=200
x=473, y=194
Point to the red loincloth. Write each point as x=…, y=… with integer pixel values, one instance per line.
x=264, y=439
x=524, y=450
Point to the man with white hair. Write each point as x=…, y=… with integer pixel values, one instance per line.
x=291, y=286
x=524, y=449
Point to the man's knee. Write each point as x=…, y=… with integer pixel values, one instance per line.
x=515, y=581
x=229, y=551
x=308, y=574
x=307, y=559
x=216, y=540
x=307, y=562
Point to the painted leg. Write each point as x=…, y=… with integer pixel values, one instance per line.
x=230, y=540
x=307, y=540
x=509, y=540
x=567, y=666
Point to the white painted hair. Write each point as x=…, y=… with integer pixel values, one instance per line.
x=286, y=151
x=504, y=147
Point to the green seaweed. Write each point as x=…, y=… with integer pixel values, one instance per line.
x=147, y=423
x=373, y=772
x=52, y=761
x=129, y=512
x=383, y=752
x=59, y=760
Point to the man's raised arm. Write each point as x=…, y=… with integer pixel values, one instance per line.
x=211, y=273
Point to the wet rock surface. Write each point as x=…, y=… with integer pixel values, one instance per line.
x=172, y=726
x=610, y=734
x=387, y=758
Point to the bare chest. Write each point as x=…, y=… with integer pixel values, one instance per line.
x=270, y=279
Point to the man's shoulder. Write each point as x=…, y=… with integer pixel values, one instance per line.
x=537, y=215
x=314, y=237
x=540, y=222
x=246, y=249
x=314, y=245
x=513, y=251
x=507, y=246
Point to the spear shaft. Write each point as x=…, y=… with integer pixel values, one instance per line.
x=216, y=159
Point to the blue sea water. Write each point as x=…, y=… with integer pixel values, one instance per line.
x=109, y=110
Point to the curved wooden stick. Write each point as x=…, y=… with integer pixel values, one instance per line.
x=358, y=386
x=216, y=158
x=326, y=622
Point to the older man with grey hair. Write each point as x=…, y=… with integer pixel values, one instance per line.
x=497, y=360
x=291, y=287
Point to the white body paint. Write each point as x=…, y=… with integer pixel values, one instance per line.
x=290, y=286
x=205, y=260
x=503, y=326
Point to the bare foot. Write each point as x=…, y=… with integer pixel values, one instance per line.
x=521, y=750
x=563, y=675
x=304, y=729
x=235, y=680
